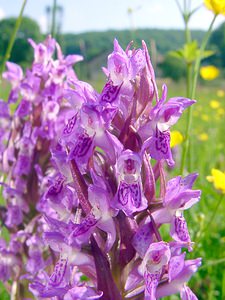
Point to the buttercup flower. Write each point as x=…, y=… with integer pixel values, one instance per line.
x=176, y=138
x=217, y=6
x=217, y=177
x=214, y=104
x=209, y=72
x=220, y=93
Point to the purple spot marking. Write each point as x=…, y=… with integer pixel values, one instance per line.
x=129, y=191
x=85, y=225
x=136, y=194
x=59, y=272
x=110, y=92
x=181, y=229
x=56, y=188
x=82, y=146
x=162, y=142
x=123, y=193
x=70, y=125
x=151, y=282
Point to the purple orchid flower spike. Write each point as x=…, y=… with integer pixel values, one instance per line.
x=83, y=210
x=129, y=197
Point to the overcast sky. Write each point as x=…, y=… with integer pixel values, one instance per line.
x=88, y=15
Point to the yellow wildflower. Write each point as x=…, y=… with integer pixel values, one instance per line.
x=218, y=180
x=214, y=104
x=220, y=93
x=221, y=111
x=205, y=117
x=176, y=138
x=203, y=137
x=209, y=72
x=217, y=6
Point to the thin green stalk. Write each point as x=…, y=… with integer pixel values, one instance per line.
x=199, y=58
x=193, y=92
x=53, y=29
x=188, y=79
x=207, y=226
x=179, y=6
x=13, y=37
x=188, y=39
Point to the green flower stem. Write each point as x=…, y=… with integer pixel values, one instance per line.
x=214, y=213
x=192, y=94
x=199, y=58
x=13, y=37
x=53, y=29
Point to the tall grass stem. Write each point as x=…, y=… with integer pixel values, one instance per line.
x=12, y=39
x=193, y=93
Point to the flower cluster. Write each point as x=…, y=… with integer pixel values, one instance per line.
x=97, y=205
x=30, y=122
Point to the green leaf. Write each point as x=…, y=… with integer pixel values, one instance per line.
x=223, y=286
x=190, y=52
x=177, y=54
x=208, y=53
x=3, y=293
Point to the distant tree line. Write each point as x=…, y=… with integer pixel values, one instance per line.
x=95, y=46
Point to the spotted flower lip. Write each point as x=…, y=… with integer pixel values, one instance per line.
x=84, y=199
x=129, y=197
